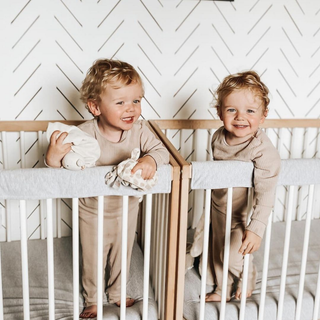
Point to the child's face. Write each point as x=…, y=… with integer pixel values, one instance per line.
x=242, y=112
x=119, y=108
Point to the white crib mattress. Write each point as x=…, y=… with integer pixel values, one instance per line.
x=12, y=282
x=192, y=279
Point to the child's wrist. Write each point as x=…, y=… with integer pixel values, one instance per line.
x=52, y=164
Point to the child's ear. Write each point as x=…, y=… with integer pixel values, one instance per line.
x=94, y=107
x=265, y=114
x=219, y=113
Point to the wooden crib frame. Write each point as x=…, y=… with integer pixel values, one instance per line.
x=173, y=221
x=160, y=127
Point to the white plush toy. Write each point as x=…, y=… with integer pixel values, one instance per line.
x=73, y=161
x=85, y=150
x=121, y=174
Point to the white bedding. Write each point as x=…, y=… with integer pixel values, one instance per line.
x=12, y=280
x=192, y=279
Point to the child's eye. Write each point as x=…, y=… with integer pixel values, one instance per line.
x=251, y=111
x=231, y=110
x=136, y=101
x=120, y=103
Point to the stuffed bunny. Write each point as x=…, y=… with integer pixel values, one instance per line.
x=85, y=150
x=73, y=161
x=121, y=174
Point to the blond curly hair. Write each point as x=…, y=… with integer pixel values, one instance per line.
x=105, y=72
x=248, y=80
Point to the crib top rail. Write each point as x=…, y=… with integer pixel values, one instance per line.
x=230, y=174
x=33, y=125
x=194, y=124
x=49, y=183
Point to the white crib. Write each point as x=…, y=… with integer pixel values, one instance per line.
x=40, y=235
x=288, y=261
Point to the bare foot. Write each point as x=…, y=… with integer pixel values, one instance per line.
x=213, y=297
x=238, y=294
x=88, y=312
x=129, y=303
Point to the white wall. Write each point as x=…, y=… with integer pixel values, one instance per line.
x=182, y=49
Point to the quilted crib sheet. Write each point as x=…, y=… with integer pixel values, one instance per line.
x=193, y=282
x=12, y=282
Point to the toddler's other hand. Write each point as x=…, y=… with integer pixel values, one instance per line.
x=57, y=150
x=250, y=243
x=148, y=167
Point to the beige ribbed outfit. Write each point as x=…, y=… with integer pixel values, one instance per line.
x=112, y=153
x=266, y=162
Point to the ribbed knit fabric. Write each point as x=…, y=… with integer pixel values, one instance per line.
x=266, y=161
x=112, y=153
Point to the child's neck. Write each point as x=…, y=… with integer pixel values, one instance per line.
x=233, y=141
x=110, y=135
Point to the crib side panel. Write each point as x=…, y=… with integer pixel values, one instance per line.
x=26, y=149
x=292, y=139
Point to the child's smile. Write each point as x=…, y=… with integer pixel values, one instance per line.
x=128, y=120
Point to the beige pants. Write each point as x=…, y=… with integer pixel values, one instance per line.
x=111, y=244
x=238, y=224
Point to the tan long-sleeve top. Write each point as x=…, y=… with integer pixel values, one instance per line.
x=140, y=136
x=266, y=161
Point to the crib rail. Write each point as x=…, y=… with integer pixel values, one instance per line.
x=215, y=124
x=48, y=186
x=189, y=142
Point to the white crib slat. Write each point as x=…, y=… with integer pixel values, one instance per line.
x=142, y=223
x=42, y=220
x=24, y=260
x=205, y=253
x=305, y=252
x=279, y=145
x=124, y=249
x=4, y=149
x=265, y=268
x=75, y=257
x=6, y=203
x=1, y=295
x=41, y=202
x=58, y=218
x=226, y=255
x=317, y=154
x=317, y=298
x=246, y=261
x=147, y=256
x=8, y=221
x=285, y=252
x=100, y=270
x=50, y=259
x=22, y=152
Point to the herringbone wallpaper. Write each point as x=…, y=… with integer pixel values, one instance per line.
x=181, y=48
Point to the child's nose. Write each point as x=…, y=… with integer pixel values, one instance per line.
x=130, y=107
x=239, y=116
